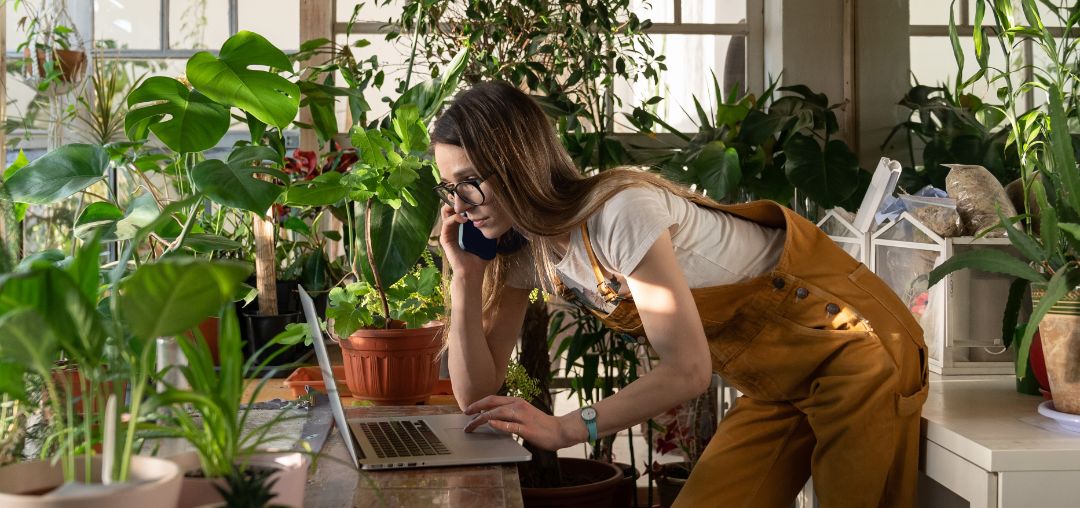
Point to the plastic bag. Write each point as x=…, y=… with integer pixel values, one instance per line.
x=938, y=214
x=978, y=195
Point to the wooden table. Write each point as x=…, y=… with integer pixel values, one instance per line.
x=335, y=483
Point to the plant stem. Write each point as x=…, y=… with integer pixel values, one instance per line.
x=136, y=401
x=371, y=263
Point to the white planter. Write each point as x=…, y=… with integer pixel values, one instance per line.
x=289, y=489
x=961, y=315
x=157, y=484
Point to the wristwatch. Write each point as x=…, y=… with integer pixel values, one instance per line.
x=588, y=414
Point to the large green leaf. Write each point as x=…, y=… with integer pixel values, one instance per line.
x=174, y=295
x=228, y=78
x=1061, y=150
x=12, y=382
x=1060, y=284
x=428, y=96
x=716, y=170
x=182, y=118
x=59, y=174
x=233, y=183
x=96, y=216
x=25, y=339
x=987, y=260
x=399, y=236
x=826, y=177
x=62, y=303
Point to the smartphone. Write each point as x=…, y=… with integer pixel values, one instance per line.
x=470, y=239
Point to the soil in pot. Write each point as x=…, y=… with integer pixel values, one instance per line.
x=586, y=484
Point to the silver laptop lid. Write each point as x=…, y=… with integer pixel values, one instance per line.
x=327, y=374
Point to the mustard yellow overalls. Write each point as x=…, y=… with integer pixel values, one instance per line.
x=833, y=371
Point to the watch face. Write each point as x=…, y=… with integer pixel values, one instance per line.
x=588, y=413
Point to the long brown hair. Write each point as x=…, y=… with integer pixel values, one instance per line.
x=512, y=143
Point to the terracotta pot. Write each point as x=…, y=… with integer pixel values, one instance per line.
x=288, y=491
x=72, y=63
x=393, y=367
x=1060, y=332
x=157, y=483
x=602, y=481
x=670, y=481
x=304, y=377
x=68, y=383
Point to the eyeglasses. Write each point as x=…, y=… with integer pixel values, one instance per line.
x=468, y=190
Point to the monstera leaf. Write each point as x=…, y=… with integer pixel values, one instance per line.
x=716, y=170
x=233, y=183
x=58, y=174
x=828, y=177
x=228, y=78
x=184, y=119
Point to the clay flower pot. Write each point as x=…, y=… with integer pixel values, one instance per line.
x=393, y=366
x=153, y=482
x=591, y=483
x=71, y=63
x=1060, y=333
x=288, y=491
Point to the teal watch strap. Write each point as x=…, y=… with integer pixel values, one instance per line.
x=588, y=414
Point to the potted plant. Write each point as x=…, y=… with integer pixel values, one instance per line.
x=208, y=415
x=51, y=309
x=1049, y=240
x=383, y=317
x=51, y=51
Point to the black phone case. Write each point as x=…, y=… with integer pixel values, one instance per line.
x=470, y=239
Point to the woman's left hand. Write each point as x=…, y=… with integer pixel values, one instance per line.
x=515, y=415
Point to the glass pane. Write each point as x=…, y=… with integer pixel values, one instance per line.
x=717, y=11
x=372, y=10
x=130, y=24
x=659, y=11
x=689, y=76
x=933, y=63
x=15, y=36
x=198, y=24
x=905, y=271
x=282, y=29
x=933, y=12
x=833, y=227
x=393, y=61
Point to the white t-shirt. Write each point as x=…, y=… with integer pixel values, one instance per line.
x=713, y=248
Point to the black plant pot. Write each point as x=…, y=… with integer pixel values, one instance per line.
x=257, y=330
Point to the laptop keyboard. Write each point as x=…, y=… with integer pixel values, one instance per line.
x=402, y=439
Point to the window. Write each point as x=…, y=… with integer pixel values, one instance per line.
x=932, y=60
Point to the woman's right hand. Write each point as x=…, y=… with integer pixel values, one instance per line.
x=461, y=263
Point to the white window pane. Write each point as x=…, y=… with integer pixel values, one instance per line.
x=659, y=11
x=716, y=11
x=369, y=11
x=688, y=77
x=933, y=12
x=933, y=64
x=282, y=28
x=393, y=61
x=196, y=24
x=15, y=36
x=131, y=24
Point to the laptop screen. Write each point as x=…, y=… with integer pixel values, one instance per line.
x=327, y=373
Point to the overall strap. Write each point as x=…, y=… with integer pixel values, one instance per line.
x=602, y=286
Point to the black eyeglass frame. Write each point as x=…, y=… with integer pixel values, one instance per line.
x=446, y=190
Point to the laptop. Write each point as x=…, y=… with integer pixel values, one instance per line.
x=410, y=441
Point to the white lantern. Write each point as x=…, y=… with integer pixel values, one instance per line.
x=961, y=315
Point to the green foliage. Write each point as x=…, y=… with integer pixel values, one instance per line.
x=58, y=174
x=954, y=128
x=415, y=299
x=519, y=383
x=762, y=147
x=1046, y=151
x=234, y=183
x=569, y=54
x=229, y=79
x=247, y=487
x=194, y=122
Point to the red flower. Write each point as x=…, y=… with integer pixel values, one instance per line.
x=302, y=163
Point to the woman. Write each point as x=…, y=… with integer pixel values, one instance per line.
x=832, y=365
